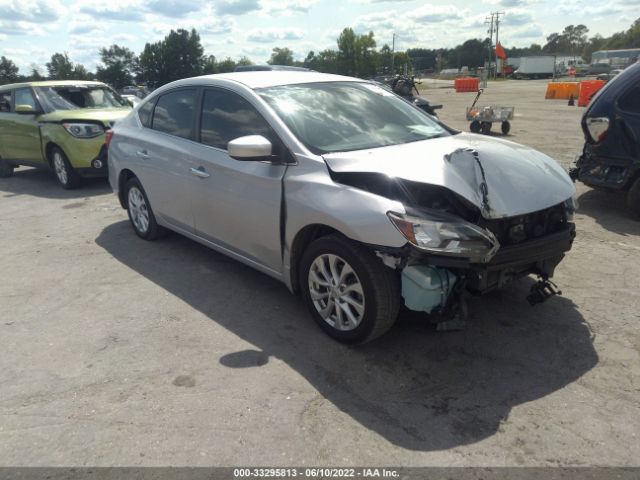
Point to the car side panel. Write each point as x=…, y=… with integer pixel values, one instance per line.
x=313, y=198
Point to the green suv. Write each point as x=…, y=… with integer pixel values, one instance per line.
x=58, y=125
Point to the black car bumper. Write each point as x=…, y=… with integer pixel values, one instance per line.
x=98, y=167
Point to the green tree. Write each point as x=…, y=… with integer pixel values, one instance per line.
x=244, y=61
x=281, y=56
x=356, y=53
x=34, y=75
x=227, y=65
x=120, y=66
x=60, y=67
x=179, y=55
x=8, y=71
x=79, y=72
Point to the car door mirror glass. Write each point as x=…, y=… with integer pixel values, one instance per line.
x=251, y=147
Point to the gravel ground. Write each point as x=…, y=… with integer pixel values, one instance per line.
x=116, y=351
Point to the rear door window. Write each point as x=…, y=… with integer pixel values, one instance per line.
x=175, y=113
x=226, y=116
x=630, y=100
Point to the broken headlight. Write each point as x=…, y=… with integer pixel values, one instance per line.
x=443, y=234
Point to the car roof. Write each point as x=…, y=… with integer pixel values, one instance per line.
x=49, y=83
x=263, y=79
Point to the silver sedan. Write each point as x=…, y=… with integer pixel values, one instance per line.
x=351, y=196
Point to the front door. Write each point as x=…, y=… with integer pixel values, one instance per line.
x=236, y=204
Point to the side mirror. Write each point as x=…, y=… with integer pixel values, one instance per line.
x=26, y=110
x=250, y=148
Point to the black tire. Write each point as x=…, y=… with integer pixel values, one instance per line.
x=6, y=169
x=486, y=128
x=505, y=127
x=633, y=199
x=475, y=126
x=149, y=230
x=63, y=171
x=380, y=289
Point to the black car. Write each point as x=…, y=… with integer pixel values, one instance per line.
x=610, y=159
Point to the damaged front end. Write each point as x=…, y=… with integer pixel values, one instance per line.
x=456, y=247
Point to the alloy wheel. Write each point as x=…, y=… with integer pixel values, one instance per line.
x=336, y=292
x=138, y=210
x=60, y=168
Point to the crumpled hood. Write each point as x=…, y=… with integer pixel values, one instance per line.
x=519, y=179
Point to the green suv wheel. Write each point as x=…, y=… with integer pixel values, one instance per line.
x=65, y=174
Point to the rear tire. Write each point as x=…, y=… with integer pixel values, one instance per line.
x=139, y=210
x=351, y=295
x=486, y=128
x=64, y=172
x=6, y=169
x=505, y=127
x=633, y=199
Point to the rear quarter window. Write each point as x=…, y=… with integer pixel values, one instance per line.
x=5, y=102
x=144, y=113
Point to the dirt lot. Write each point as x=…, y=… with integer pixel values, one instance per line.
x=116, y=351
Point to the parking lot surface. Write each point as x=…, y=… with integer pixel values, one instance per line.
x=117, y=351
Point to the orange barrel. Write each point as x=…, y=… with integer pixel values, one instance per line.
x=588, y=88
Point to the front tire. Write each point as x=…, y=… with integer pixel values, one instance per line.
x=475, y=126
x=351, y=295
x=139, y=210
x=6, y=169
x=65, y=174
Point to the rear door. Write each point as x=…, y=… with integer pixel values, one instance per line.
x=236, y=204
x=5, y=122
x=161, y=155
x=25, y=132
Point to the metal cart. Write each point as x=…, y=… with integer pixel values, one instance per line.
x=481, y=118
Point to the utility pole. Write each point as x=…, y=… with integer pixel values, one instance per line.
x=393, y=54
x=489, y=20
x=497, y=21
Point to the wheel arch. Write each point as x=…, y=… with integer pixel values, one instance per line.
x=301, y=241
x=123, y=177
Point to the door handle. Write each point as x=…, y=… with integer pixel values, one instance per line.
x=143, y=154
x=199, y=172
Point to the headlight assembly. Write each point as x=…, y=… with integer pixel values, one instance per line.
x=443, y=234
x=84, y=130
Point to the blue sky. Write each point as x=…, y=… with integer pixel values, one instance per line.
x=32, y=30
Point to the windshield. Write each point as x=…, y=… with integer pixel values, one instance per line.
x=73, y=97
x=344, y=116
